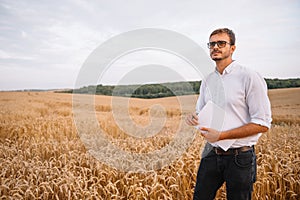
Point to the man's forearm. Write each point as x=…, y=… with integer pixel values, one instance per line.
x=243, y=131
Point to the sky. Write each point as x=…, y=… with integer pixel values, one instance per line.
x=44, y=44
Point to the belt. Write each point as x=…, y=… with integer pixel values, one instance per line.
x=233, y=151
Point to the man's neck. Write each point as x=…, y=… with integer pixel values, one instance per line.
x=222, y=64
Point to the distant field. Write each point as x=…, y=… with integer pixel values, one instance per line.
x=42, y=156
x=285, y=105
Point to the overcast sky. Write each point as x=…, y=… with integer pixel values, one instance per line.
x=45, y=43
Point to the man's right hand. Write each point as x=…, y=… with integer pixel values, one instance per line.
x=192, y=119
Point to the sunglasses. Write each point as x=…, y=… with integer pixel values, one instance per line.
x=220, y=43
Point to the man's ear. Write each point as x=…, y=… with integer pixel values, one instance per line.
x=232, y=48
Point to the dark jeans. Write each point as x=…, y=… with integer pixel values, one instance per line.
x=238, y=171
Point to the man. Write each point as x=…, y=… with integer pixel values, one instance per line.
x=242, y=94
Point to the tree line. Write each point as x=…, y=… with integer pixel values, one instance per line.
x=149, y=91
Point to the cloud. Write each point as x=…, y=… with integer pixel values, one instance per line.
x=58, y=36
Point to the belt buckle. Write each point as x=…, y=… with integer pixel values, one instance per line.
x=218, y=151
x=221, y=152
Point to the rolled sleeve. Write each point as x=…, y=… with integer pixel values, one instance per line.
x=258, y=100
x=261, y=122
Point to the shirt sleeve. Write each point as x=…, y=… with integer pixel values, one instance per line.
x=257, y=100
x=201, y=99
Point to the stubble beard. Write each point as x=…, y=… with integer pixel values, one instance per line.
x=220, y=58
x=217, y=59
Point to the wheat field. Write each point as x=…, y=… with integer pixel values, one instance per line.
x=43, y=157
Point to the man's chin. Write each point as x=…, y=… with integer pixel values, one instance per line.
x=216, y=59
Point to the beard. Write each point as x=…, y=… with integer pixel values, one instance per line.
x=217, y=59
x=223, y=56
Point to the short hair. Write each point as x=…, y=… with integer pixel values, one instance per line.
x=229, y=32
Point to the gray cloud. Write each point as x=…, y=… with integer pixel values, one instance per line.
x=51, y=39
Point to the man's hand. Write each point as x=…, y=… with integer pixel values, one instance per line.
x=211, y=135
x=192, y=119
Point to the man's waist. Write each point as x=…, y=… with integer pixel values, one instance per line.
x=241, y=142
x=232, y=151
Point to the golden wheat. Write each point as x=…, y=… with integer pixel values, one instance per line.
x=42, y=157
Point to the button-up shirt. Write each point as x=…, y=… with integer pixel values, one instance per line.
x=242, y=93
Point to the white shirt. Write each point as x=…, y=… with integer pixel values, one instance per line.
x=242, y=93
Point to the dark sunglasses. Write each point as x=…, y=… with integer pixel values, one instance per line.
x=220, y=44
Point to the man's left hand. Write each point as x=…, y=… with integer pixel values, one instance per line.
x=211, y=135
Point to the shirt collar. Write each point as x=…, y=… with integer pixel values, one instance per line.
x=229, y=68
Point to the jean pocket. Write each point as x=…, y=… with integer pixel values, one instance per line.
x=244, y=159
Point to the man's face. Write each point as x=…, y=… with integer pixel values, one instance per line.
x=220, y=53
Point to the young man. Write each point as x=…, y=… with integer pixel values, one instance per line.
x=242, y=94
